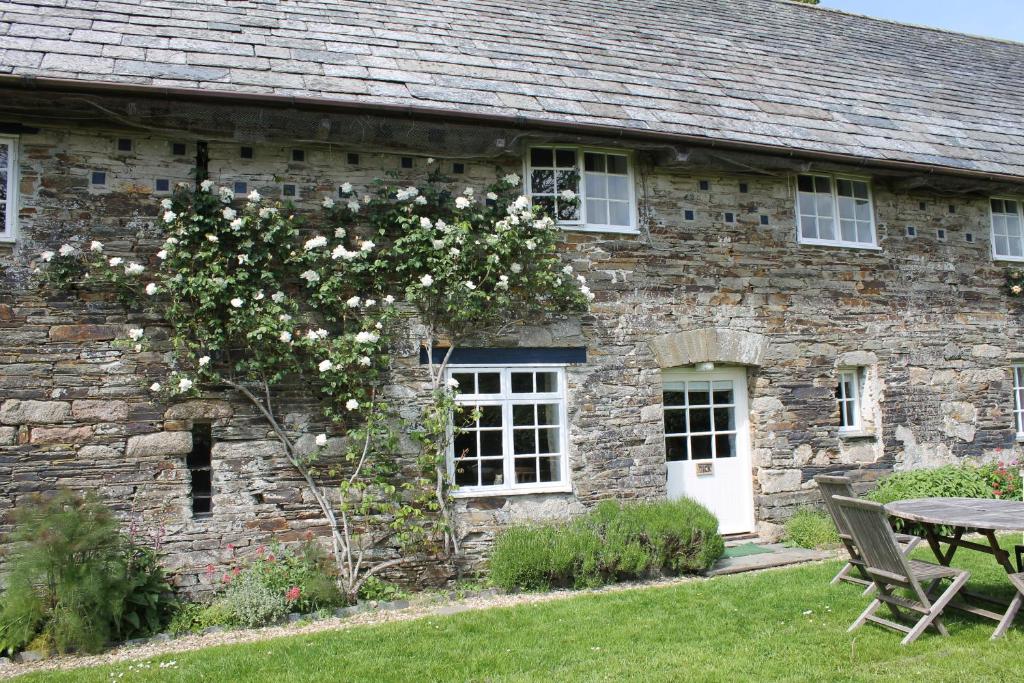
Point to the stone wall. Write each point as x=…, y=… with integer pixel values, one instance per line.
x=924, y=315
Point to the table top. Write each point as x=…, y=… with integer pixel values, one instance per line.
x=972, y=513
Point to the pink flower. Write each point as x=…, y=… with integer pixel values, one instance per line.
x=293, y=594
x=209, y=570
x=260, y=549
x=270, y=557
x=231, y=547
x=225, y=579
x=236, y=571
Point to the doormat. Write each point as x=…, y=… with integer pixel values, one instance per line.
x=746, y=549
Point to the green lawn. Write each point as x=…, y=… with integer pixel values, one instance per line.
x=787, y=625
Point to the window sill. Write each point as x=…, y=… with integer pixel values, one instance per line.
x=502, y=493
x=1011, y=259
x=839, y=245
x=855, y=434
x=1020, y=438
x=576, y=227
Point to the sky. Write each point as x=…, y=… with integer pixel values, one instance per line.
x=993, y=18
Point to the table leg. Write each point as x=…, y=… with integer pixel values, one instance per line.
x=932, y=536
x=1002, y=557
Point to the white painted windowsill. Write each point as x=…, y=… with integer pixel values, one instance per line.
x=502, y=492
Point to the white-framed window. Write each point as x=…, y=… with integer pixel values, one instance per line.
x=512, y=430
x=602, y=180
x=848, y=399
x=835, y=210
x=1007, y=234
x=1018, y=399
x=8, y=187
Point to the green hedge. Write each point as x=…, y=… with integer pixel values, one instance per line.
x=611, y=543
x=810, y=528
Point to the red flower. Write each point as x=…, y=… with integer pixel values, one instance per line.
x=231, y=547
x=236, y=571
x=225, y=579
x=260, y=549
x=293, y=594
x=209, y=570
x=270, y=557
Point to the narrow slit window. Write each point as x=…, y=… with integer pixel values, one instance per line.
x=848, y=399
x=1018, y=399
x=200, y=469
x=8, y=186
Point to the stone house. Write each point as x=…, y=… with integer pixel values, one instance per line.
x=797, y=223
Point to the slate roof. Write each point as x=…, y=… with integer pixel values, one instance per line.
x=767, y=72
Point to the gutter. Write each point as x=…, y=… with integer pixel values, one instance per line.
x=514, y=121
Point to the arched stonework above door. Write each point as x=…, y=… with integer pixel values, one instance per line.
x=713, y=344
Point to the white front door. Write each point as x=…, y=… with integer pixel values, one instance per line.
x=707, y=443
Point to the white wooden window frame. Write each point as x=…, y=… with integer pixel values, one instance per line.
x=10, y=207
x=1018, y=400
x=583, y=225
x=834, y=179
x=1019, y=215
x=853, y=377
x=506, y=399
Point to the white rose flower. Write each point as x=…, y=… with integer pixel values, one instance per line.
x=369, y=302
x=311, y=277
x=321, y=333
x=169, y=216
x=236, y=302
x=315, y=243
x=425, y=222
x=162, y=254
x=353, y=302
x=96, y=246
x=167, y=204
x=277, y=297
x=427, y=280
x=136, y=334
x=255, y=196
x=346, y=188
x=366, y=245
x=46, y=256
x=389, y=299
x=468, y=191
x=327, y=203
x=134, y=269
x=469, y=285
x=567, y=269
x=229, y=213
x=226, y=194
x=210, y=237
x=581, y=279
x=587, y=293
x=511, y=179
x=284, y=317
x=502, y=282
x=243, y=259
x=516, y=268
x=352, y=404
x=461, y=203
x=325, y=365
x=171, y=241
x=441, y=225
x=66, y=250
x=321, y=440
x=353, y=206
x=267, y=212
x=206, y=185
x=204, y=361
x=365, y=361
x=340, y=252
x=286, y=336
x=437, y=244
x=154, y=387
x=151, y=288
x=568, y=195
x=531, y=244
x=454, y=252
x=236, y=224
x=258, y=296
x=452, y=383
x=420, y=200
x=430, y=160
x=367, y=338
x=339, y=232
x=114, y=262
x=492, y=196
x=184, y=384
x=522, y=203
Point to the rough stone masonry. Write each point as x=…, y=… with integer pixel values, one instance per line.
x=923, y=314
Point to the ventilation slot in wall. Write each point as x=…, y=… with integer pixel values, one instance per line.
x=200, y=469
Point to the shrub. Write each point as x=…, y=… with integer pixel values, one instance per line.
x=810, y=528
x=193, y=617
x=611, y=543
x=1004, y=479
x=75, y=582
x=376, y=588
x=251, y=602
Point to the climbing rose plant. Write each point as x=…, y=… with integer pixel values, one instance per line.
x=258, y=301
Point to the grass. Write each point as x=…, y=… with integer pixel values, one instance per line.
x=787, y=625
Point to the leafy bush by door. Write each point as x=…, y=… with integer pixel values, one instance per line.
x=612, y=543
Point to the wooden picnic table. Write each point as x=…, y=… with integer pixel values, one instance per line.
x=965, y=515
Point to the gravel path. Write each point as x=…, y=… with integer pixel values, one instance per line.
x=423, y=605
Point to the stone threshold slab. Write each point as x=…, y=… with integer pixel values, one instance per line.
x=780, y=556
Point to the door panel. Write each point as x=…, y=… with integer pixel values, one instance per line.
x=707, y=443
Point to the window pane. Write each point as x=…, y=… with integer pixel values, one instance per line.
x=490, y=416
x=864, y=233
x=524, y=441
x=617, y=164
x=466, y=382
x=844, y=188
x=809, y=227
x=675, y=421
x=467, y=473
x=542, y=156
x=542, y=182
x=522, y=416
x=701, y=446
x=618, y=213
x=863, y=211
x=860, y=189
x=490, y=443
x=526, y=470
x=823, y=205
x=823, y=184
x=547, y=382
x=700, y=420
x=1015, y=246
x=565, y=158
x=522, y=382
x=547, y=414
x=723, y=392
x=805, y=183
x=699, y=393
x=846, y=209
x=1010, y=206
x=593, y=162
x=546, y=204
x=597, y=212
x=547, y=441
x=675, y=448
x=724, y=419
x=488, y=383
x=848, y=231
x=618, y=187
x=997, y=206
x=725, y=446
x=567, y=212
x=1002, y=246
x=825, y=229
x=492, y=472
x=550, y=469
x=674, y=398
x=465, y=445
x=597, y=186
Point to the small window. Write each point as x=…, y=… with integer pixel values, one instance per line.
x=730, y=217
x=848, y=398
x=744, y=188
x=99, y=178
x=941, y=234
x=353, y=159
x=179, y=149
x=705, y=185
x=911, y=231
x=764, y=219
x=1007, y=234
x=602, y=182
x=406, y=162
x=8, y=186
x=241, y=187
x=969, y=237
x=922, y=206
x=298, y=155
x=512, y=430
x=458, y=168
x=200, y=469
x=1018, y=399
x=124, y=144
x=952, y=208
x=289, y=190
x=162, y=185
x=688, y=215
x=245, y=152
x=835, y=210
